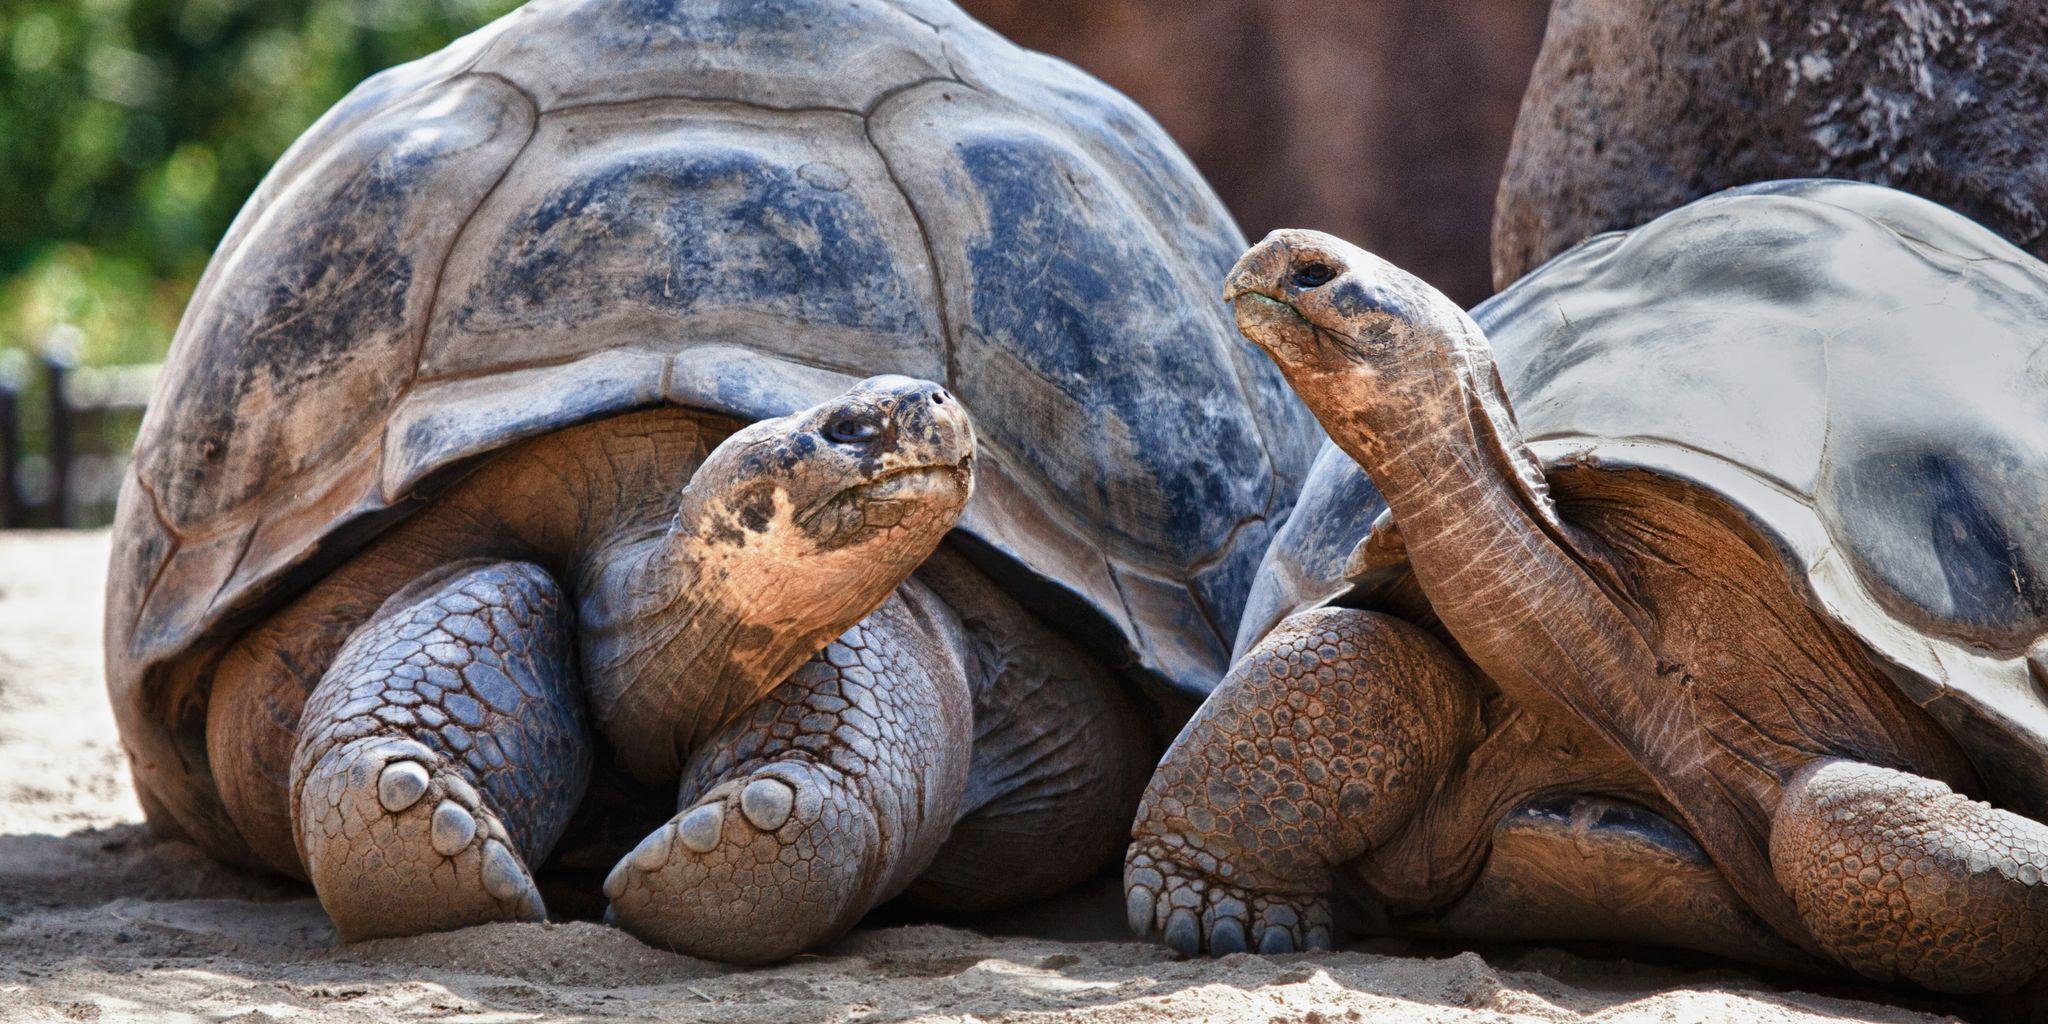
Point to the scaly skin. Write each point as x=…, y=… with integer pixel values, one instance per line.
x=1320, y=744
x=441, y=755
x=1902, y=878
x=1061, y=753
x=826, y=798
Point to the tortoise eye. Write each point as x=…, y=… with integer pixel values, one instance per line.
x=1312, y=275
x=852, y=428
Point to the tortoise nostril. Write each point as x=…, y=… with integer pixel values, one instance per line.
x=938, y=398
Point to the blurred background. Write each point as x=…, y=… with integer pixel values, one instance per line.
x=131, y=131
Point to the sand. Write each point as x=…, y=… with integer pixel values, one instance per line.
x=98, y=921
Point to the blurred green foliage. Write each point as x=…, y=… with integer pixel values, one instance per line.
x=132, y=130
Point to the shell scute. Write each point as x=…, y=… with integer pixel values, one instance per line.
x=275, y=376
x=680, y=224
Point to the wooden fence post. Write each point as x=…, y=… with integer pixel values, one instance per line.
x=56, y=367
x=12, y=378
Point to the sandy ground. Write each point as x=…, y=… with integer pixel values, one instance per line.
x=100, y=922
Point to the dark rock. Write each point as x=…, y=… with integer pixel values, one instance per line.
x=1639, y=106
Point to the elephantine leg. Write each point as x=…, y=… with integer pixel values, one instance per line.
x=1902, y=878
x=1319, y=745
x=441, y=755
x=1061, y=754
x=823, y=800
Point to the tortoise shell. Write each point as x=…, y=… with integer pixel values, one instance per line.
x=1861, y=373
x=594, y=206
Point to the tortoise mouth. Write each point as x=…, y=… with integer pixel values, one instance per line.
x=911, y=482
x=1259, y=310
x=1277, y=326
x=899, y=503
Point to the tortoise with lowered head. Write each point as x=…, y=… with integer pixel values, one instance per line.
x=1717, y=632
x=518, y=436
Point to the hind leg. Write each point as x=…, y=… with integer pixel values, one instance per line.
x=822, y=801
x=1592, y=869
x=1061, y=755
x=441, y=755
x=1902, y=878
x=1319, y=745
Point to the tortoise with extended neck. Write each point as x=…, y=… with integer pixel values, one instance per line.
x=517, y=437
x=1773, y=568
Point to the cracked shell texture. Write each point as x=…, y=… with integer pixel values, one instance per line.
x=744, y=206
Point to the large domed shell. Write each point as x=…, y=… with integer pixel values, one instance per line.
x=593, y=206
x=1861, y=372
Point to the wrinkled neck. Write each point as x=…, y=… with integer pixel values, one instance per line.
x=1446, y=440
x=1528, y=598
x=675, y=644
x=1517, y=587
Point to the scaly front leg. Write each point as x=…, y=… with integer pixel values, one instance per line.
x=1900, y=877
x=825, y=799
x=440, y=756
x=1320, y=745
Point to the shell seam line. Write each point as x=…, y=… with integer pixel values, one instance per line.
x=163, y=564
x=668, y=357
x=1599, y=454
x=241, y=552
x=715, y=101
x=441, y=270
x=462, y=229
x=924, y=234
x=912, y=15
x=937, y=30
x=1123, y=601
x=1228, y=543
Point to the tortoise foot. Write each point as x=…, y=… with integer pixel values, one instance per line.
x=755, y=870
x=397, y=842
x=1323, y=741
x=1194, y=913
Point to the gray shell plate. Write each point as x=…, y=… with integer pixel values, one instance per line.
x=590, y=207
x=1862, y=372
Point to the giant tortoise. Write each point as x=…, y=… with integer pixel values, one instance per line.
x=1715, y=635
x=518, y=436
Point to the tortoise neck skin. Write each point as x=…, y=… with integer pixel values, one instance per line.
x=791, y=531
x=1404, y=382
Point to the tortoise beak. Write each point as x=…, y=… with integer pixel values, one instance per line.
x=1254, y=273
x=1260, y=315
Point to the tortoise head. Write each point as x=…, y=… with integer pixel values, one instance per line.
x=788, y=533
x=862, y=485
x=1356, y=336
